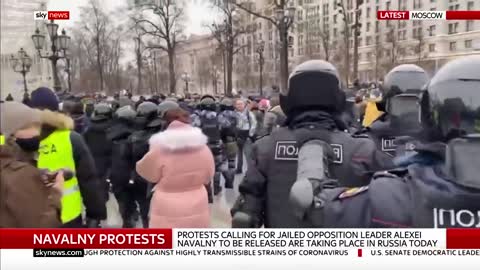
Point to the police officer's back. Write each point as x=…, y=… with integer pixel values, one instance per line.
x=99, y=144
x=147, y=123
x=228, y=130
x=402, y=85
x=310, y=102
x=439, y=185
x=207, y=119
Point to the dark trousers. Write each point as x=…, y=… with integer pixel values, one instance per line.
x=128, y=195
x=76, y=223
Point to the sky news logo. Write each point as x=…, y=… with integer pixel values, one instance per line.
x=51, y=15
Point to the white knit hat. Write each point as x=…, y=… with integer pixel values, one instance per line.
x=15, y=116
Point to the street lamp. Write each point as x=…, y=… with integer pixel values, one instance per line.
x=186, y=79
x=261, y=61
x=59, y=46
x=22, y=63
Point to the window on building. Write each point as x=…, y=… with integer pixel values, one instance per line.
x=368, y=27
x=377, y=39
x=453, y=46
x=369, y=41
x=335, y=18
x=431, y=30
x=417, y=4
x=388, y=5
x=368, y=12
x=369, y=55
x=469, y=26
x=360, y=42
x=377, y=26
x=470, y=5
x=451, y=28
x=431, y=47
x=468, y=44
x=433, y=9
x=334, y=32
x=433, y=1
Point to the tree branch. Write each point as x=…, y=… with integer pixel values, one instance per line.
x=240, y=6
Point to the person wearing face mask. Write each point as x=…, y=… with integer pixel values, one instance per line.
x=29, y=197
x=61, y=147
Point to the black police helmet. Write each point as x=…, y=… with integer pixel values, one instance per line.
x=166, y=106
x=126, y=113
x=226, y=104
x=147, y=109
x=451, y=103
x=207, y=102
x=406, y=78
x=312, y=84
x=102, y=111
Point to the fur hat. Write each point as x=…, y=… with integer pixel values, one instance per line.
x=15, y=116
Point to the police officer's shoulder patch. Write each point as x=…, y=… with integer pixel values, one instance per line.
x=351, y=192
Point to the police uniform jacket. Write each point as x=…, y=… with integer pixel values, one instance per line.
x=272, y=169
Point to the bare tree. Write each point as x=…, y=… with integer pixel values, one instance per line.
x=324, y=34
x=419, y=48
x=396, y=51
x=162, y=20
x=97, y=46
x=283, y=25
x=227, y=33
x=95, y=23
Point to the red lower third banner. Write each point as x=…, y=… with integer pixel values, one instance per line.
x=463, y=238
x=86, y=238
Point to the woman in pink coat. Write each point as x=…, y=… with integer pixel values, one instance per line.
x=180, y=164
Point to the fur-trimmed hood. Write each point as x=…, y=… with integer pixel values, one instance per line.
x=179, y=136
x=57, y=120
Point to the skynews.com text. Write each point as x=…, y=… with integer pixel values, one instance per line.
x=40, y=252
x=51, y=15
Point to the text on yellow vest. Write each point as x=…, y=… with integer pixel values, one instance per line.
x=56, y=153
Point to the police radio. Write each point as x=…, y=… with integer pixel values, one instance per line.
x=312, y=174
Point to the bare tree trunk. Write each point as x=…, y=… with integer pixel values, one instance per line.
x=99, y=62
x=171, y=69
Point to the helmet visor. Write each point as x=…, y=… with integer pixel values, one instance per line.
x=404, y=105
x=456, y=106
x=408, y=81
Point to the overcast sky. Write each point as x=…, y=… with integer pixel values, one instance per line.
x=196, y=10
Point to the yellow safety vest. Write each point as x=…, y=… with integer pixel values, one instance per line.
x=56, y=153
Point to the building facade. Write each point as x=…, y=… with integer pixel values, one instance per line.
x=319, y=33
x=17, y=27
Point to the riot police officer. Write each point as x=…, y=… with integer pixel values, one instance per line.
x=100, y=146
x=228, y=127
x=312, y=99
x=122, y=188
x=207, y=119
x=439, y=186
x=400, y=104
x=147, y=123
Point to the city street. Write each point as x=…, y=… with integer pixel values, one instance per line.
x=220, y=209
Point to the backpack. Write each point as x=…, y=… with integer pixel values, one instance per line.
x=210, y=126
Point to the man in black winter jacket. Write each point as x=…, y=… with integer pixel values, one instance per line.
x=123, y=189
x=85, y=171
x=100, y=146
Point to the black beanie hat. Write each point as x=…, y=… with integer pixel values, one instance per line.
x=44, y=98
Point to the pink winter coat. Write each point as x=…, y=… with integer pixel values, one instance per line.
x=180, y=164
